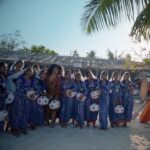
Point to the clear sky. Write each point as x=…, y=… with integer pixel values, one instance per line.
x=56, y=25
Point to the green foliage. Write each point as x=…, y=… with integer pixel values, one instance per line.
x=101, y=14
x=141, y=26
x=14, y=42
x=42, y=50
x=128, y=63
x=133, y=66
x=146, y=61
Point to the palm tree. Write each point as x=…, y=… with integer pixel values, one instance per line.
x=101, y=14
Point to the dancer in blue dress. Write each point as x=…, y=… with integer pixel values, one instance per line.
x=80, y=102
x=73, y=74
x=104, y=100
x=92, y=84
x=128, y=102
x=3, y=91
x=20, y=117
x=36, y=110
x=115, y=99
x=16, y=70
x=67, y=88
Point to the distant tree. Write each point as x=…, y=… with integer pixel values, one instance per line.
x=114, y=56
x=146, y=61
x=91, y=54
x=12, y=41
x=26, y=49
x=119, y=56
x=128, y=61
x=42, y=50
x=128, y=58
x=110, y=55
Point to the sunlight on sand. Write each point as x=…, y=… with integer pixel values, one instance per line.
x=139, y=142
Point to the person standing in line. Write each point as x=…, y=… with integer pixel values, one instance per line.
x=53, y=83
x=91, y=84
x=67, y=89
x=36, y=110
x=76, y=71
x=80, y=101
x=16, y=70
x=3, y=90
x=115, y=99
x=128, y=101
x=20, y=107
x=104, y=100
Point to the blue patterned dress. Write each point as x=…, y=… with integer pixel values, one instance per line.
x=11, y=86
x=36, y=110
x=115, y=99
x=66, y=102
x=20, y=107
x=91, y=86
x=104, y=104
x=127, y=100
x=3, y=95
x=80, y=105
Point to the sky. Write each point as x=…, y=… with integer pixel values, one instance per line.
x=56, y=25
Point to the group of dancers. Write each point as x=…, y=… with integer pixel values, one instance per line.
x=61, y=85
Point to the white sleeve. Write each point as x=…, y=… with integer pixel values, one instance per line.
x=16, y=75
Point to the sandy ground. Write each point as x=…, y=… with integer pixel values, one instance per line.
x=135, y=137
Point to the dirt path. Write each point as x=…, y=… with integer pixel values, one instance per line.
x=135, y=137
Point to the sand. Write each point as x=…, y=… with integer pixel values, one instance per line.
x=135, y=137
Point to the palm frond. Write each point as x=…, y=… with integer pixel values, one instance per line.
x=101, y=14
x=141, y=27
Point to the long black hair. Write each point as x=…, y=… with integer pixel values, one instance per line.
x=51, y=68
x=103, y=72
x=90, y=72
x=1, y=65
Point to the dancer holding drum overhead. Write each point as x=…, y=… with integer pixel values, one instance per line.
x=79, y=100
x=115, y=100
x=127, y=97
x=92, y=86
x=104, y=100
x=68, y=93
